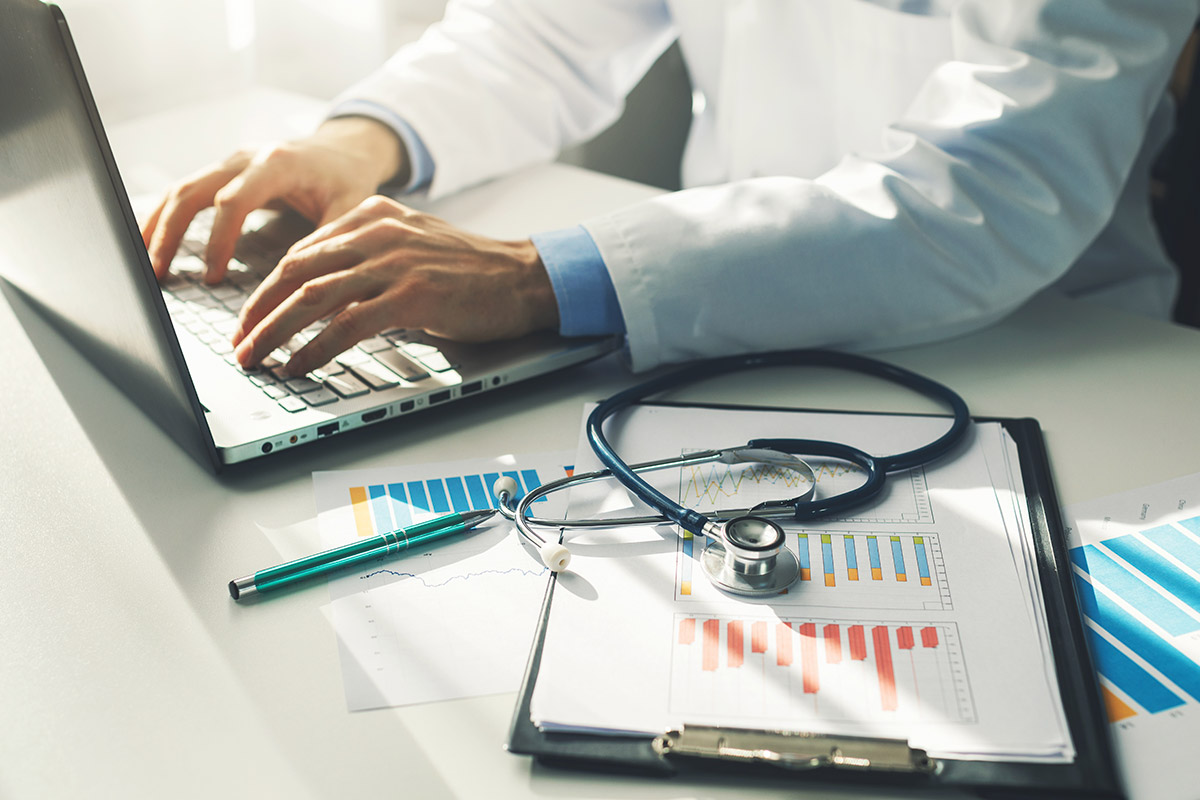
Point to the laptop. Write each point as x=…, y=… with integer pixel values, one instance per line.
x=71, y=245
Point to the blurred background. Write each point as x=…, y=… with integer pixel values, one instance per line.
x=148, y=56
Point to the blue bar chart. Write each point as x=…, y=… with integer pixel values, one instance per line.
x=381, y=508
x=1140, y=593
x=905, y=570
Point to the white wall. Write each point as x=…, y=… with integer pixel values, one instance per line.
x=148, y=55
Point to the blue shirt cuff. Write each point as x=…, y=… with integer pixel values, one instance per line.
x=587, y=301
x=420, y=161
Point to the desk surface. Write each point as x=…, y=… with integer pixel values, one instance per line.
x=126, y=669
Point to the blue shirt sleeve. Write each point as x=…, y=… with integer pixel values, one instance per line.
x=420, y=161
x=587, y=301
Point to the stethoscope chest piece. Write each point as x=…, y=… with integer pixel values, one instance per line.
x=748, y=556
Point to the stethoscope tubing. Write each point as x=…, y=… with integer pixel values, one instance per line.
x=876, y=467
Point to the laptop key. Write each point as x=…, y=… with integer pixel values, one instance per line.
x=375, y=375
x=320, y=397
x=301, y=385
x=402, y=365
x=346, y=385
x=292, y=404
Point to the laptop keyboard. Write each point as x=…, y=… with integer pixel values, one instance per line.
x=210, y=315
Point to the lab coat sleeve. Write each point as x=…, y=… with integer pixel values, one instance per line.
x=1006, y=165
x=499, y=85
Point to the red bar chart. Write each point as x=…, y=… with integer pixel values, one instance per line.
x=866, y=671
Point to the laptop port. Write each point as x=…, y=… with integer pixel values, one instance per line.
x=373, y=416
x=471, y=388
x=439, y=397
x=327, y=430
x=408, y=405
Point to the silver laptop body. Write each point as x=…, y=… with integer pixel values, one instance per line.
x=70, y=243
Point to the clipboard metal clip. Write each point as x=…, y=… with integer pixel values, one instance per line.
x=795, y=749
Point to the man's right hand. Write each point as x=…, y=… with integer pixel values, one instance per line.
x=322, y=176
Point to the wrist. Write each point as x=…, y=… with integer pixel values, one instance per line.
x=382, y=152
x=537, y=292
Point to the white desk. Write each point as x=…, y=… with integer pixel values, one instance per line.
x=126, y=670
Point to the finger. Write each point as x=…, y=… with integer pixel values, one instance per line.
x=151, y=222
x=356, y=216
x=350, y=326
x=178, y=209
x=265, y=178
x=293, y=271
x=313, y=301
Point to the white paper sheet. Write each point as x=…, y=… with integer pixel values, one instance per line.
x=917, y=620
x=455, y=620
x=1136, y=560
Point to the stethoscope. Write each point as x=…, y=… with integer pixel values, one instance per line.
x=746, y=553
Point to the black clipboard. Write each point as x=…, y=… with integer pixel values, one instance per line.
x=1091, y=774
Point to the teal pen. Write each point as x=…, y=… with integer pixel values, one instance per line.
x=364, y=550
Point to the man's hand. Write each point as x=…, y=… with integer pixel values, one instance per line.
x=322, y=177
x=382, y=266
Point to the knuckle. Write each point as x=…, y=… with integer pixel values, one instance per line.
x=290, y=267
x=378, y=204
x=313, y=293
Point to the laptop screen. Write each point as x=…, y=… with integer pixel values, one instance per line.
x=68, y=238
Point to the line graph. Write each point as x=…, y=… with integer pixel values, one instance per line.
x=466, y=576
x=904, y=500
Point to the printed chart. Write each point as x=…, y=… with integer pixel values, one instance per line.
x=416, y=628
x=846, y=570
x=1140, y=593
x=804, y=667
x=904, y=501
x=382, y=508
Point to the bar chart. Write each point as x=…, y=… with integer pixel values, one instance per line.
x=381, y=508
x=846, y=569
x=904, y=500
x=1140, y=593
x=806, y=667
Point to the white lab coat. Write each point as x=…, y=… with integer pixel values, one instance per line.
x=868, y=173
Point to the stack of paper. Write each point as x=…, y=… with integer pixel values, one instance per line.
x=915, y=617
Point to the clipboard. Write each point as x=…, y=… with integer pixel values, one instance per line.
x=812, y=760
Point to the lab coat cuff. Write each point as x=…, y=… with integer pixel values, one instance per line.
x=419, y=158
x=587, y=301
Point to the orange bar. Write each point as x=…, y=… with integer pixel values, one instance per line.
x=783, y=645
x=362, y=511
x=904, y=638
x=758, y=637
x=712, y=638
x=808, y=657
x=926, y=581
x=852, y=574
x=883, y=668
x=833, y=644
x=687, y=631
x=1117, y=708
x=876, y=574
x=734, y=645
x=929, y=637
